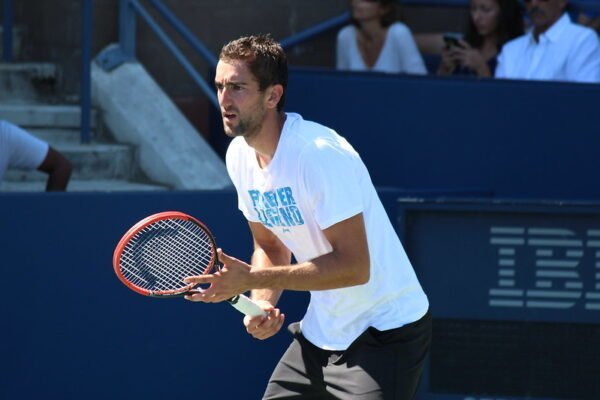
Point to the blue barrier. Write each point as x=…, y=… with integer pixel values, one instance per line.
x=515, y=295
x=72, y=330
x=512, y=138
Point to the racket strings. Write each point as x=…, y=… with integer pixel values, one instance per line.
x=180, y=253
x=160, y=264
x=159, y=256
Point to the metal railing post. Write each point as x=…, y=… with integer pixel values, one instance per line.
x=7, y=31
x=127, y=28
x=86, y=59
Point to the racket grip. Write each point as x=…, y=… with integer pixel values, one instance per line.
x=246, y=306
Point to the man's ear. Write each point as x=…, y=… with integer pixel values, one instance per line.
x=274, y=94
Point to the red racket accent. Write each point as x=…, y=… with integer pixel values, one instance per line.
x=154, y=256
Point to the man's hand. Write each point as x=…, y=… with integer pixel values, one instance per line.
x=231, y=280
x=264, y=327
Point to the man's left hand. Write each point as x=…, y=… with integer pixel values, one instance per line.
x=232, y=279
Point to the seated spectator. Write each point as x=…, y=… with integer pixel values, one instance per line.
x=491, y=24
x=555, y=48
x=21, y=150
x=374, y=42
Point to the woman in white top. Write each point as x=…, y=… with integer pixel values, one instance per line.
x=374, y=42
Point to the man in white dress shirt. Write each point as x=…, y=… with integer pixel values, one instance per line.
x=555, y=49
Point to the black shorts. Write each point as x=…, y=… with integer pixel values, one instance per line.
x=377, y=365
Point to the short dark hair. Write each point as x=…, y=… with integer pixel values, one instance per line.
x=510, y=24
x=389, y=17
x=265, y=59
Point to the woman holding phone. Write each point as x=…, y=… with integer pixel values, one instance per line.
x=491, y=24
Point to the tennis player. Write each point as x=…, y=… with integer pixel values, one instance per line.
x=306, y=192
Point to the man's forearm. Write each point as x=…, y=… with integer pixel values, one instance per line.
x=261, y=259
x=58, y=169
x=348, y=263
x=329, y=271
x=58, y=179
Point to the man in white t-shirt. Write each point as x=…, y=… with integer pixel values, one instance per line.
x=21, y=150
x=555, y=49
x=305, y=191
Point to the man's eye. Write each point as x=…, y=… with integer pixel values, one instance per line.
x=236, y=87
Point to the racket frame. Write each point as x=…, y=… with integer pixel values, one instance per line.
x=134, y=230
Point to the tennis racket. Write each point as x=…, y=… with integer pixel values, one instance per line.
x=154, y=256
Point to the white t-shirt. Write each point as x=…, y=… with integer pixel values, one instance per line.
x=19, y=149
x=315, y=180
x=398, y=54
x=565, y=52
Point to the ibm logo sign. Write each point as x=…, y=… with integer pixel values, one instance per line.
x=558, y=255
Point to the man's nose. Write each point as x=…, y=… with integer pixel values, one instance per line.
x=224, y=97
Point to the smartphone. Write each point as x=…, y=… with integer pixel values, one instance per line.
x=452, y=39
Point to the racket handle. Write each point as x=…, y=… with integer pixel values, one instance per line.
x=246, y=306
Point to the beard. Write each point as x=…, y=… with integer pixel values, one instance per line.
x=248, y=125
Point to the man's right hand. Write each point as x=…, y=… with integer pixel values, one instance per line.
x=264, y=327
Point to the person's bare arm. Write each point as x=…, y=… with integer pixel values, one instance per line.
x=58, y=169
x=268, y=251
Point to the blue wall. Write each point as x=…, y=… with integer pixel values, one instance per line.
x=510, y=138
x=71, y=330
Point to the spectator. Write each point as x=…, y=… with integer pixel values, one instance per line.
x=554, y=49
x=491, y=24
x=374, y=42
x=19, y=149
